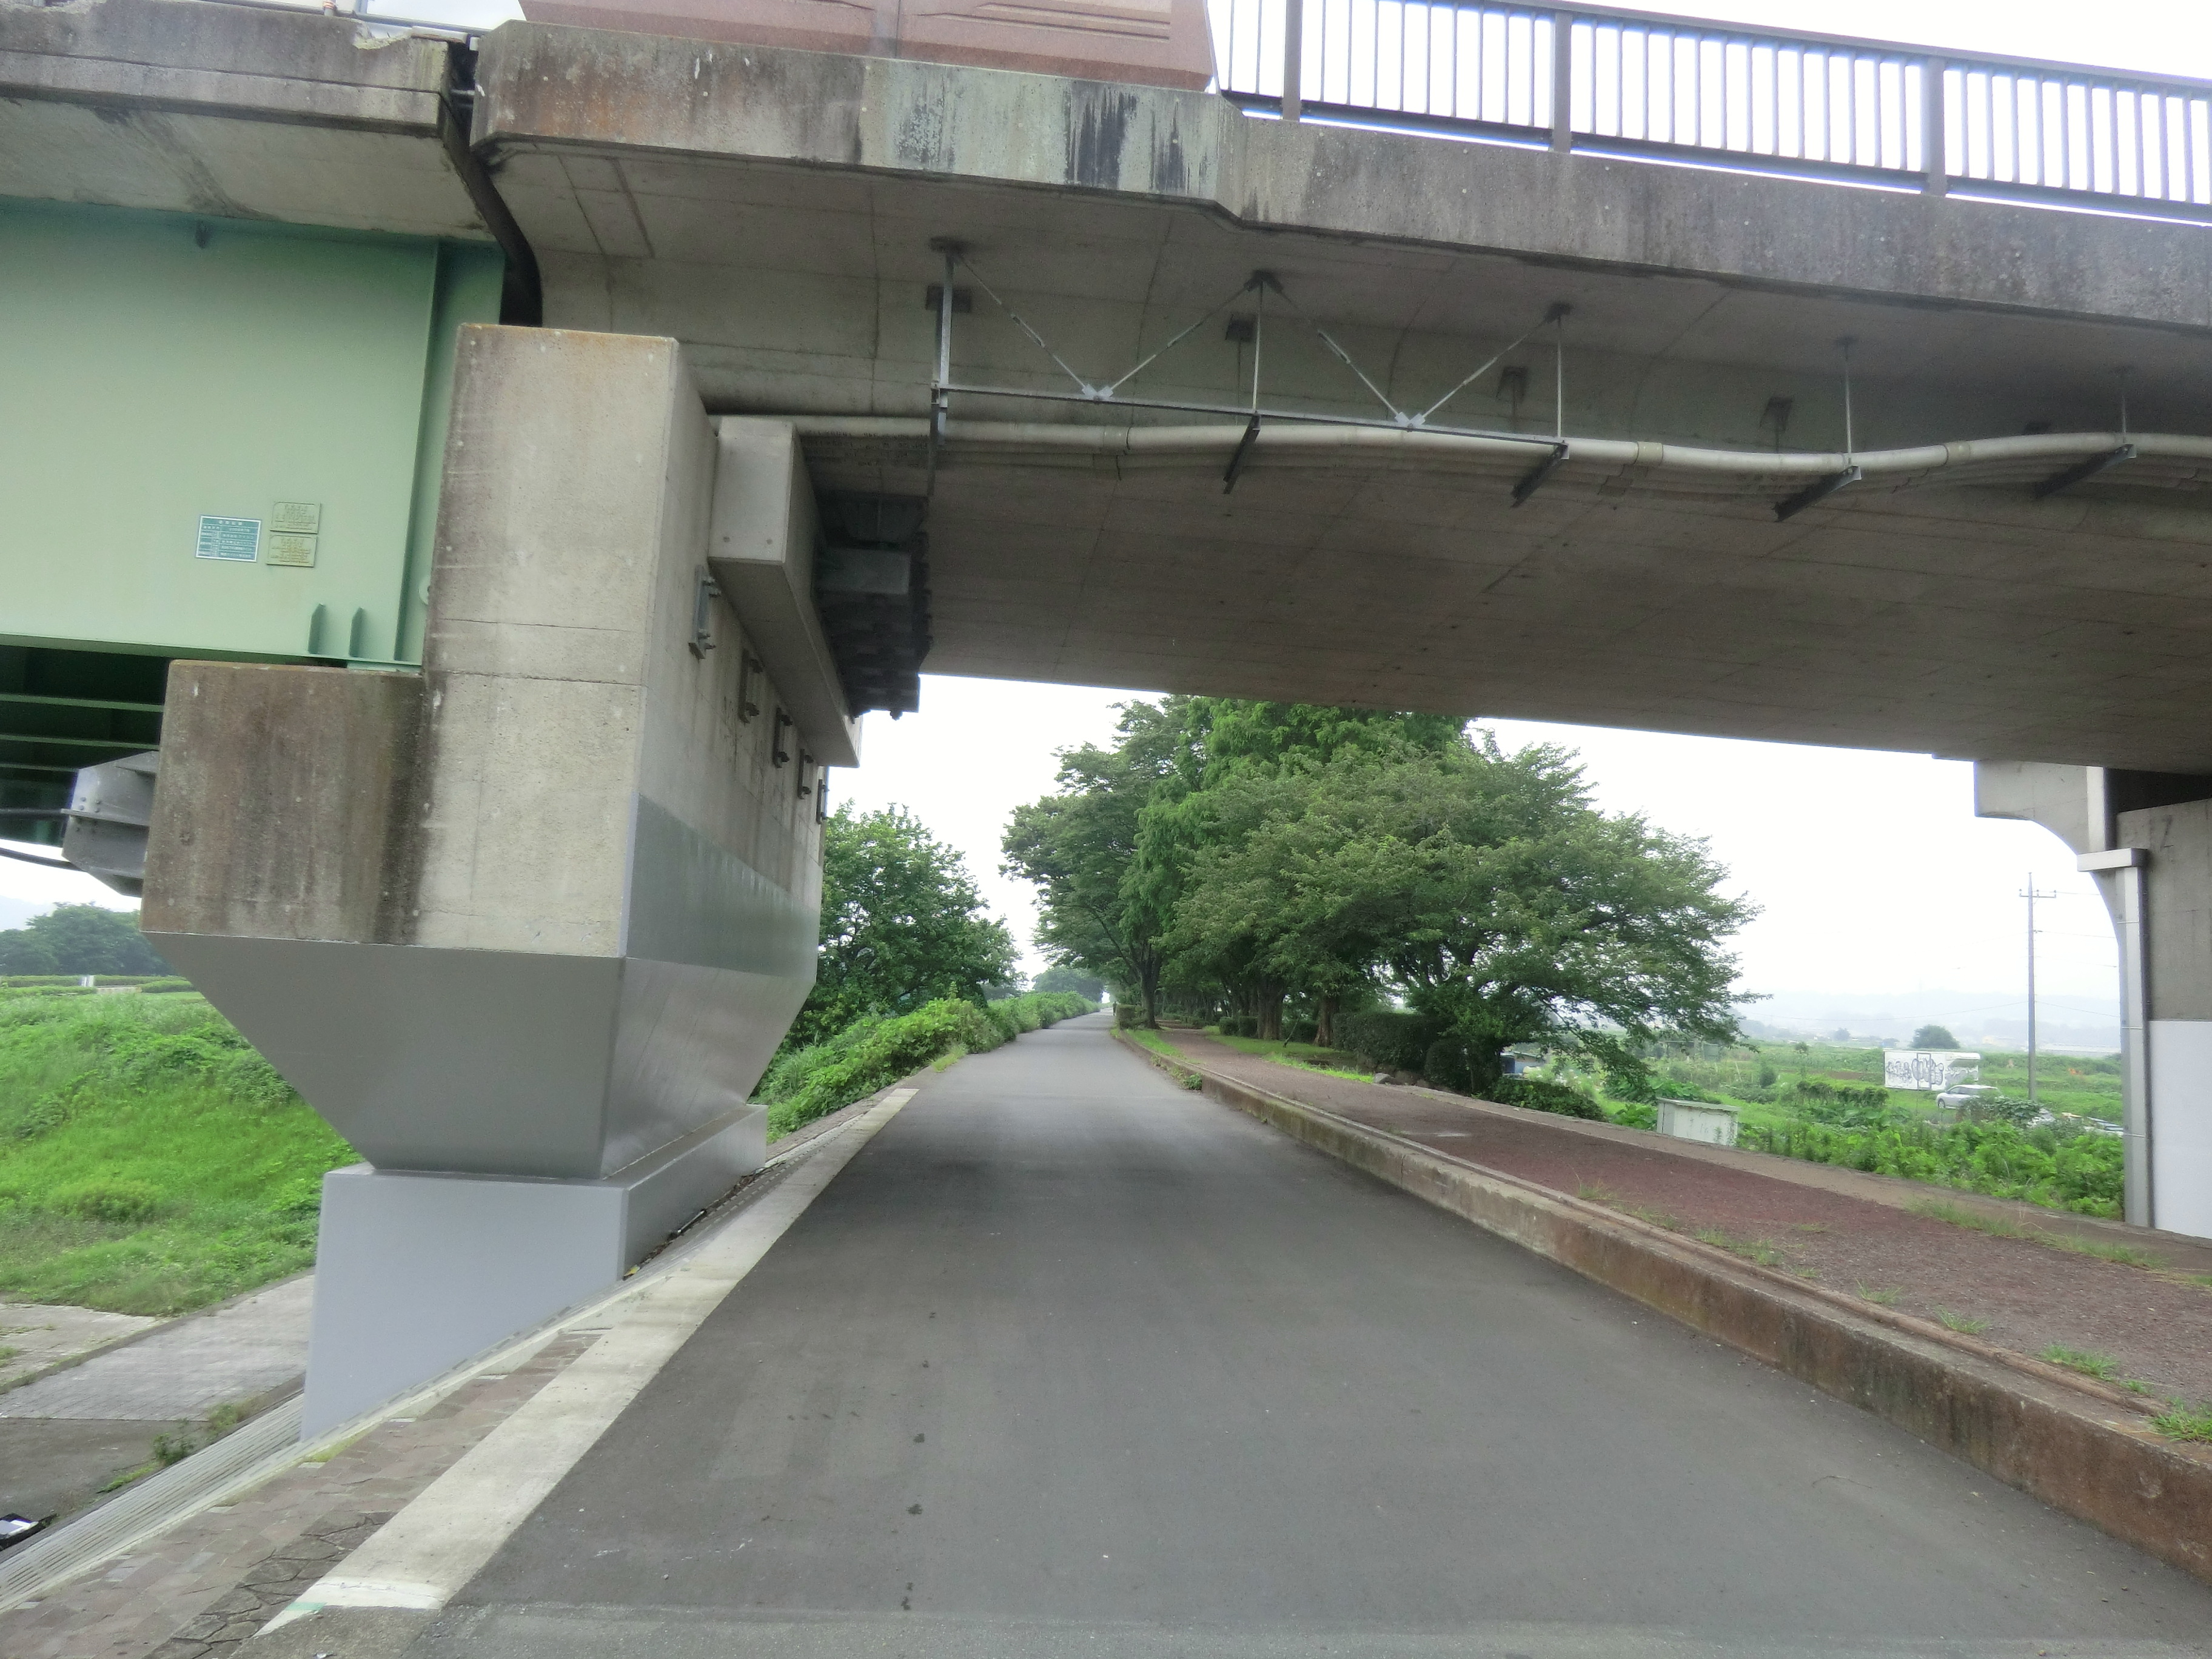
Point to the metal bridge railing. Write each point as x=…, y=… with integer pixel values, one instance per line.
x=1804, y=105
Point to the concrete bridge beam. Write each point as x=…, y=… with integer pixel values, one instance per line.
x=526, y=926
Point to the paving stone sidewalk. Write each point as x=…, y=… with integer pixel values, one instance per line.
x=2155, y=1327
x=210, y=1582
x=33, y=1335
x=237, y=1352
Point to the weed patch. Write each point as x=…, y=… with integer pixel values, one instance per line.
x=1936, y=1210
x=2126, y=1255
x=2182, y=1424
x=2079, y=1172
x=1960, y=1323
x=1166, y=1050
x=1751, y=1250
x=2102, y=1366
x=1882, y=1296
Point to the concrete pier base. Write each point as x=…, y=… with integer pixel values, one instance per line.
x=415, y=1271
x=525, y=927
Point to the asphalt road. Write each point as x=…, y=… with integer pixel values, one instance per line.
x=1072, y=1361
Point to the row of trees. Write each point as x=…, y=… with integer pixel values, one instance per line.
x=79, y=938
x=1224, y=855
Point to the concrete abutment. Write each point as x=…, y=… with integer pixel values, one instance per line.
x=526, y=926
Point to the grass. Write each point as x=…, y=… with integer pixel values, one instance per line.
x=2127, y=1256
x=1996, y=1226
x=1331, y=1062
x=2102, y=1366
x=2184, y=1424
x=1145, y=1038
x=1880, y=1295
x=150, y=1161
x=1751, y=1250
x=1960, y=1323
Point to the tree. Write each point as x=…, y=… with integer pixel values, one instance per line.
x=1062, y=978
x=1483, y=887
x=1242, y=854
x=1080, y=847
x=80, y=938
x=902, y=925
x=1934, y=1036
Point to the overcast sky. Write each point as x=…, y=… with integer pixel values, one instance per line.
x=1873, y=876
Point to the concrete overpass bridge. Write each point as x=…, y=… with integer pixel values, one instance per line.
x=540, y=447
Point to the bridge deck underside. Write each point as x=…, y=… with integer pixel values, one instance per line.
x=1912, y=613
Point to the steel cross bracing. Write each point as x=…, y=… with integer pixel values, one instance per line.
x=1260, y=283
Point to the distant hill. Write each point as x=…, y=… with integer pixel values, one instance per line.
x=1979, y=1018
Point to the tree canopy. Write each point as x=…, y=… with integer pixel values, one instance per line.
x=1243, y=854
x=902, y=925
x=79, y=938
x=1934, y=1036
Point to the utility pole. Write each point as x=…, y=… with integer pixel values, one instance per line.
x=2030, y=894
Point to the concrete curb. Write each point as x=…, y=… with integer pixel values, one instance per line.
x=2076, y=1449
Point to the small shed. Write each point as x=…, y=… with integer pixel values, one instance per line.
x=1698, y=1120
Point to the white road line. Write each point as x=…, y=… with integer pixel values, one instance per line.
x=423, y=1555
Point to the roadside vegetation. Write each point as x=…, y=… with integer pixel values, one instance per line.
x=877, y=1050
x=150, y=1161
x=912, y=972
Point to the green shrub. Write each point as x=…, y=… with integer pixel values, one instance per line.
x=1542, y=1095
x=119, y=1203
x=873, y=1053
x=1387, y=1039
x=2077, y=1172
x=153, y=987
x=1445, y=1066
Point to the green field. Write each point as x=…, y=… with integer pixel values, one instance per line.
x=150, y=1161
x=1759, y=1077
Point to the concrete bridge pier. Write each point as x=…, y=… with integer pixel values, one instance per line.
x=2147, y=837
x=526, y=925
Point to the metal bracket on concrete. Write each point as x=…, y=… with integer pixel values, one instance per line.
x=1532, y=480
x=2081, y=471
x=1243, y=449
x=1817, y=491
